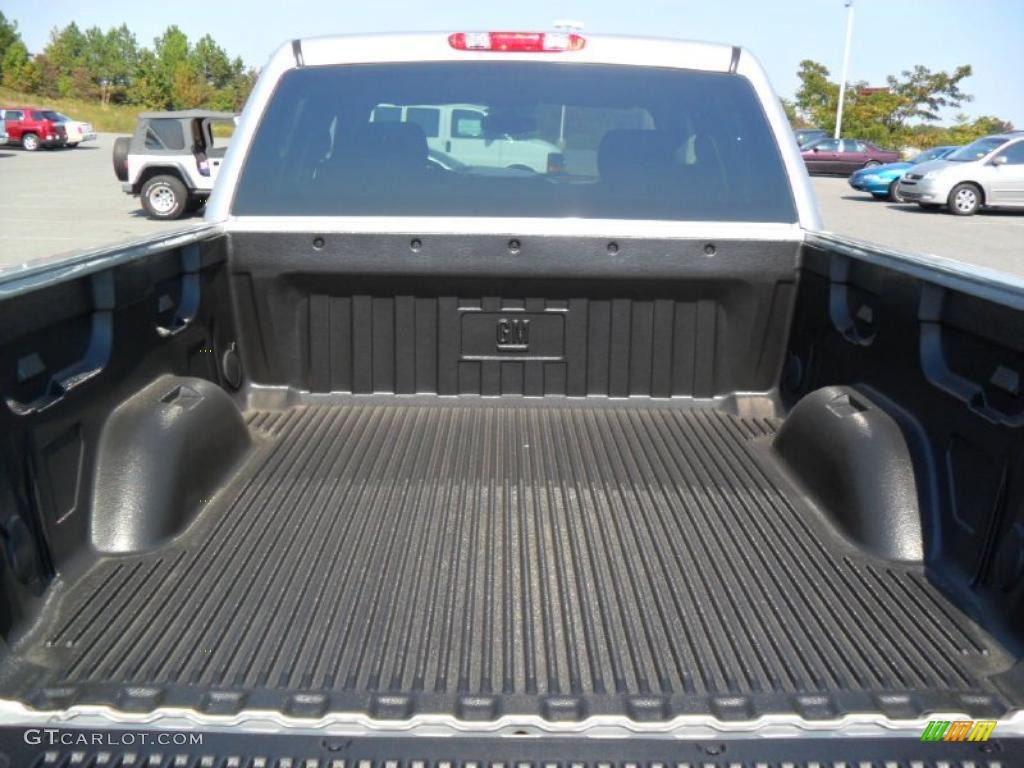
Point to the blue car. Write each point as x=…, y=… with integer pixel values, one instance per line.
x=882, y=180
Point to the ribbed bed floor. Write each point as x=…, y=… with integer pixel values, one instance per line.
x=487, y=559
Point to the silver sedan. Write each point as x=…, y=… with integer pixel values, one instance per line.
x=987, y=173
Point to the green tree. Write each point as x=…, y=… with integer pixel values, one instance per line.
x=243, y=87
x=963, y=131
x=233, y=97
x=145, y=87
x=212, y=64
x=19, y=72
x=922, y=93
x=8, y=37
x=817, y=96
x=889, y=115
x=109, y=59
x=867, y=114
x=47, y=74
x=110, y=66
x=66, y=53
x=171, y=50
x=157, y=70
x=188, y=89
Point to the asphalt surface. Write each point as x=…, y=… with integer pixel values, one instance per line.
x=993, y=239
x=56, y=202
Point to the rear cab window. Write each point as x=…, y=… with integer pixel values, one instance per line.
x=511, y=139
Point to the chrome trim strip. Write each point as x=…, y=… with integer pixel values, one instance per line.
x=865, y=725
x=990, y=284
x=479, y=225
x=17, y=279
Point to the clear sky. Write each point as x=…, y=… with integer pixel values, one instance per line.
x=888, y=35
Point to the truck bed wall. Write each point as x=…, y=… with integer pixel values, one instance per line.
x=947, y=365
x=369, y=314
x=70, y=354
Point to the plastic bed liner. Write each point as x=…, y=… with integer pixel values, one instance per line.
x=506, y=557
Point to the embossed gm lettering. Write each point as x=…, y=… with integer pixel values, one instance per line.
x=513, y=334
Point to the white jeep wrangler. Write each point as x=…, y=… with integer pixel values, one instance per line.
x=172, y=160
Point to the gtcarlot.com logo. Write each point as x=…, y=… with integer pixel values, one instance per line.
x=60, y=737
x=958, y=730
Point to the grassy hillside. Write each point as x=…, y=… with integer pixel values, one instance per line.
x=112, y=119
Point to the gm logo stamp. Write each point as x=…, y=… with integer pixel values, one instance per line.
x=958, y=730
x=513, y=334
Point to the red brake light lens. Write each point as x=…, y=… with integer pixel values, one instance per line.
x=517, y=42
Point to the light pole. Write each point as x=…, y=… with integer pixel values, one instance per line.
x=846, y=66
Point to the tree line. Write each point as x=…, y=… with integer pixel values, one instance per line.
x=905, y=112
x=111, y=67
x=174, y=73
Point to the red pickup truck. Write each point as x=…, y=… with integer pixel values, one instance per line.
x=33, y=127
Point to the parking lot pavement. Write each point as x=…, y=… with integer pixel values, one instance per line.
x=993, y=239
x=56, y=202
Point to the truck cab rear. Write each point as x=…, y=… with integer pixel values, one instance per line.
x=398, y=463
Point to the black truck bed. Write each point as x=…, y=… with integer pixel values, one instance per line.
x=479, y=558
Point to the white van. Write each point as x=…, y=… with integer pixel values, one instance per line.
x=458, y=131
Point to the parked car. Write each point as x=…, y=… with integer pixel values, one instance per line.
x=385, y=465
x=77, y=130
x=33, y=128
x=882, y=181
x=471, y=134
x=844, y=155
x=987, y=173
x=805, y=136
x=171, y=160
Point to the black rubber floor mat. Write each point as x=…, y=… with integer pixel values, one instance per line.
x=486, y=559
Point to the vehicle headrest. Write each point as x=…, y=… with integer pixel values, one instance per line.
x=631, y=153
x=704, y=148
x=391, y=145
x=321, y=143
